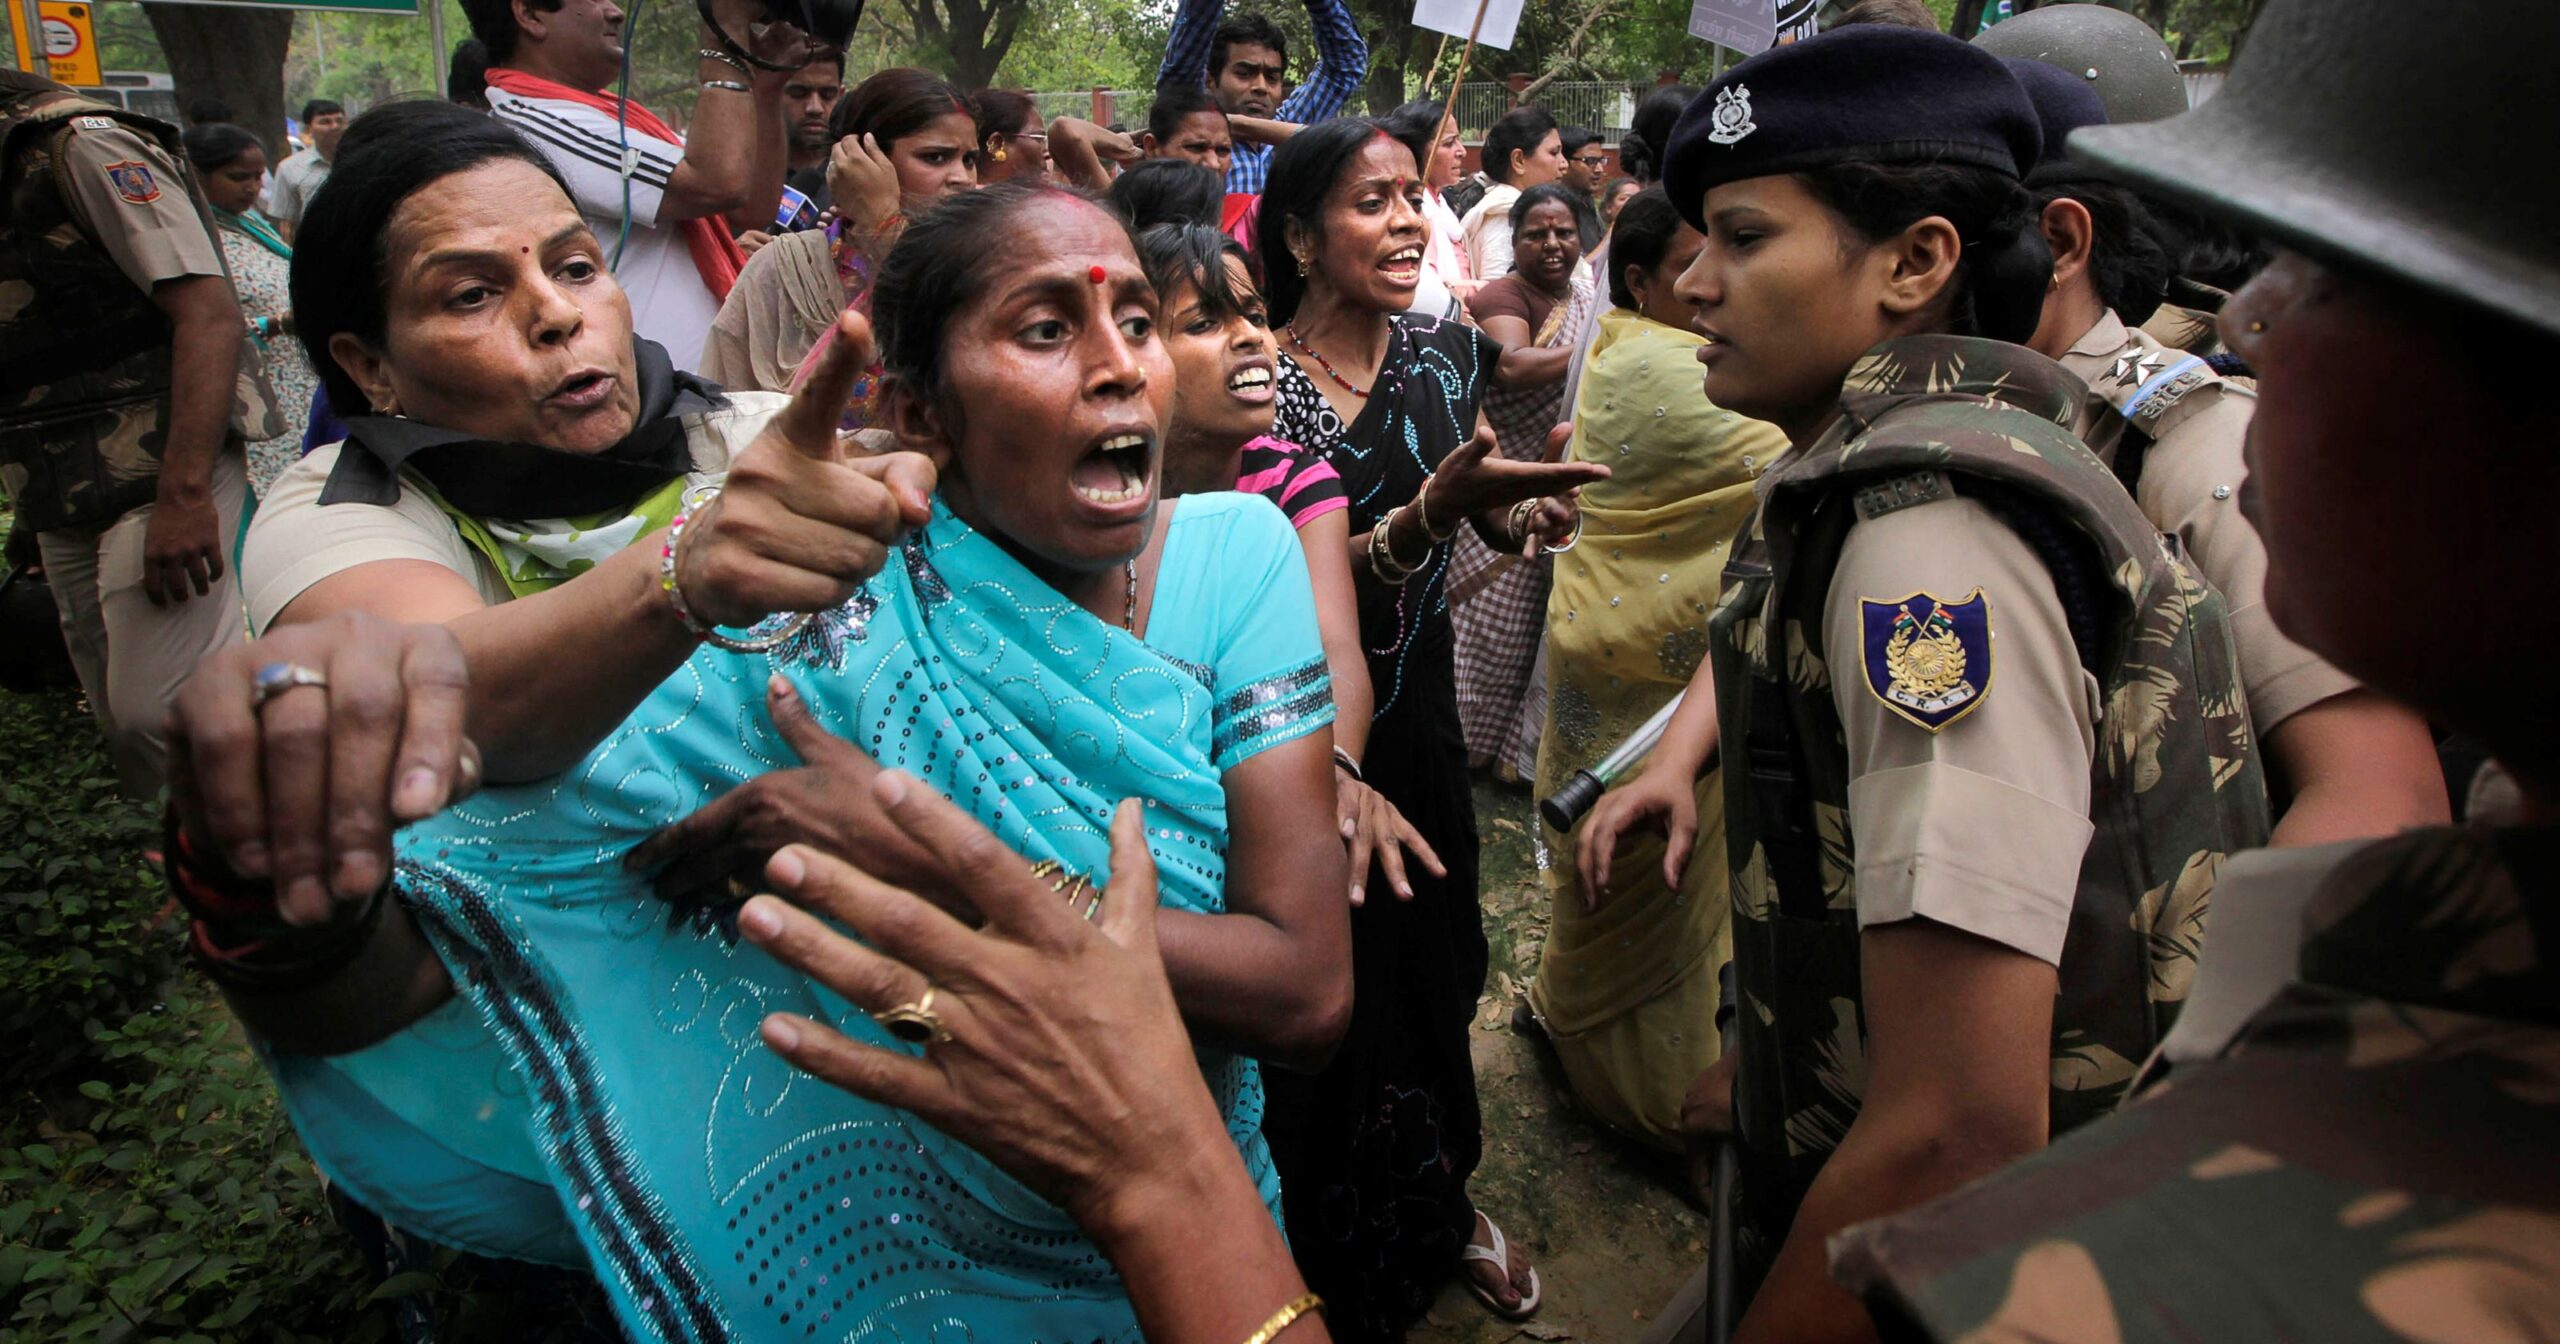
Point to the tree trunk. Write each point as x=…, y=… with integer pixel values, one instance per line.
x=232, y=54
x=1968, y=19
x=1387, y=26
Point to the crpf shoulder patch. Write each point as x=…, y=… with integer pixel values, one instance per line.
x=1901, y=492
x=94, y=123
x=133, y=181
x=1927, y=659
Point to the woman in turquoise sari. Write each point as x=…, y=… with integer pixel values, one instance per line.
x=1047, y=644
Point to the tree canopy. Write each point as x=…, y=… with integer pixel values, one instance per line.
x=1047, y=45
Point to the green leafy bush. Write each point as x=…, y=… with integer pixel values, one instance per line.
x=150, y=1187
x=76, y=902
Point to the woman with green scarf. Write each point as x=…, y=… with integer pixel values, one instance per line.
x=1627, y=986
x=230, y=164
x=515, y=455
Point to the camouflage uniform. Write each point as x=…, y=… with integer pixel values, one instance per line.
x=2172, y=777
x=2370, y=1157
x=99, y=209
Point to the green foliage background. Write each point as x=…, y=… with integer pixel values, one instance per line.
x=150, y=1187
x=362, y=59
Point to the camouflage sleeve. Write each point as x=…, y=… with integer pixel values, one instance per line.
x=2191, y=486
x=2369, y=1171
x=137, y=201
x=1969, y=722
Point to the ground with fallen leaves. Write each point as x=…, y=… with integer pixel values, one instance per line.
x=1611, y=1238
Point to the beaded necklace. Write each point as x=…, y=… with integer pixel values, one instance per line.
x=1324, y=364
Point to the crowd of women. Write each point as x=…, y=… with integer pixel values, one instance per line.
x=944, y=601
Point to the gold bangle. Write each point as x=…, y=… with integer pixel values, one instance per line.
x=1422, y=511
x=1517, y=523
x=1387, y=529
x=1382, y=556
x=1284, y=1318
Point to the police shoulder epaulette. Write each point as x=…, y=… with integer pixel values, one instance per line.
x=2144, y=384
x=94, y=123
x=1901, y=492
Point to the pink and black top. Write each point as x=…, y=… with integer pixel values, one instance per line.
x=1304, y=485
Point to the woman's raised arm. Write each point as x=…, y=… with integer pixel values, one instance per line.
x=799, y=524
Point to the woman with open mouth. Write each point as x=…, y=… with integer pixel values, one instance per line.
x=578, y=1058
x=512, y=486
x=1219, y=332
x=1376, y=1152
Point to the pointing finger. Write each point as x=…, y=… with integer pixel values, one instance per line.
x=809, y=422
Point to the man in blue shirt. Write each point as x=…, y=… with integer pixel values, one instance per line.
x=1245, y=63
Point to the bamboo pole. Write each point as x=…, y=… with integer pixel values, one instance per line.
x=1466, y=53
x=1431, y=72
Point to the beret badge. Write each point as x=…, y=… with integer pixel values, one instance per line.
x=1731, y=119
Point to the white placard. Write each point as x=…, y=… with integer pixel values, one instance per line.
x=1455, y=17
x=1746, y=26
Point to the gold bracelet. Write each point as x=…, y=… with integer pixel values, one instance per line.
x=1518, y=522
x=1429, y=543
x=1382, y=555
x=1284, y=1318
x=1422, y=510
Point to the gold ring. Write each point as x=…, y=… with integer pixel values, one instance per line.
x=915, y=1023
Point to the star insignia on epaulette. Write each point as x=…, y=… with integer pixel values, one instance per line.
x=2134, y=367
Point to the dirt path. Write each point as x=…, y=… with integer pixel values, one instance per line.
x=1612, y=1241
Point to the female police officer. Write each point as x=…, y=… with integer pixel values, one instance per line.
x=2365, y=1092
x=1970, y=874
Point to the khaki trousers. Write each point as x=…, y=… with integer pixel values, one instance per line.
x=131, y=655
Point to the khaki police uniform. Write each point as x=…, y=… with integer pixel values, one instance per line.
x=1919, y=799
x=131, y=655
x=2197, y=421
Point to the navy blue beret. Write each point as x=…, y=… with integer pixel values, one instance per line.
x=2064, y=102
x=1871, y=93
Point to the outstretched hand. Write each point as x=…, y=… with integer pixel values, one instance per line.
x=826, y=802
x=307, y=788
x=1474, y=479
x=802, y=520
x=1065, y=1061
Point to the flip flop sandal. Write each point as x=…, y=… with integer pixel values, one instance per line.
x=1499, y=1256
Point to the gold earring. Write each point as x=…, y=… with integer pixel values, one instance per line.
x=2256, y=327
x=1302, y=267
x=998, y=155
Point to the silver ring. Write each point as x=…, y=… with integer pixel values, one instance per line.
x=275, y=679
